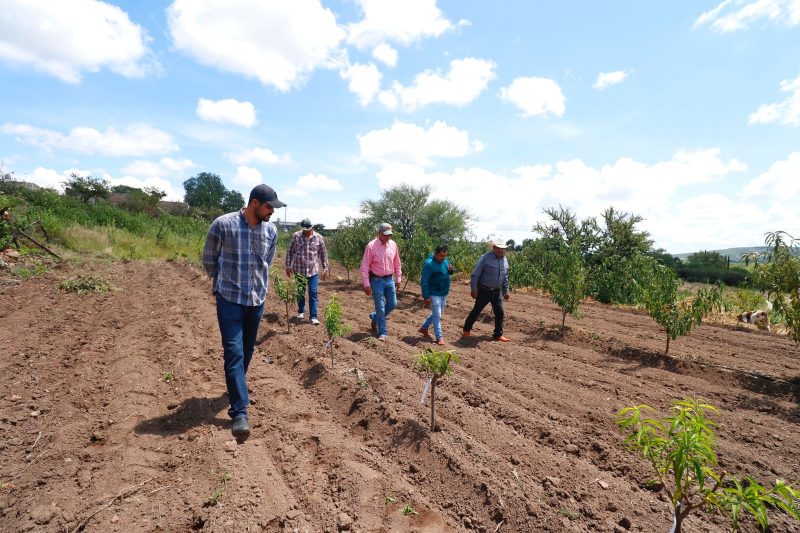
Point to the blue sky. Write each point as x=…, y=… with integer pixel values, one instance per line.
x=685, y=113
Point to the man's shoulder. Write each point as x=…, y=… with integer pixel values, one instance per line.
x=227, y=219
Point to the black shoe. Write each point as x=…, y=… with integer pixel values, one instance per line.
x=241, y=429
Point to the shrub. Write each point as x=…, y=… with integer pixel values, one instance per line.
x=438, y=364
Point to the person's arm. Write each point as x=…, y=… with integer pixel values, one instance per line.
x=398, y=268
x=476, y=276
x=290, y=253
x=366, y=259
x=505, y=279
x=211, y=250
x=323, y=257
x=425, y=280
x=273, y=244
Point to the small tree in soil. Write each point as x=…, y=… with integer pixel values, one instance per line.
x=681, y=450
x=566, y=282
x=658, y=290
x=334, y=327
x=438, y=365
x=289, y=291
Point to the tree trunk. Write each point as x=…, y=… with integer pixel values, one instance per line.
x=563, y=320
x=331, y=355
x=433, y=403
x=677, y=518
x=287, y=317
x=667, y=350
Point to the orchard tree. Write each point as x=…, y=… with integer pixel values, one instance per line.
x=658, y=290
x=232, y=201
x=413, y=252
x=444, y=220
x=399, y=206
x=334, y=327
x=348, y=243
x=680, y=449
x=438, y=365
x=567, y=280
x=86, y=187
x=777, y=271
x=289, y=291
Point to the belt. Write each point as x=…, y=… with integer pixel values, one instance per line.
x=373, y=275
x=484, y=287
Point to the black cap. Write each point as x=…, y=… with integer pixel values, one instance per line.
x=306, y=223
x=266, y=195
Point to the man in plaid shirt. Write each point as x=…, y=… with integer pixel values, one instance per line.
x=237, y=255
x=306, y=252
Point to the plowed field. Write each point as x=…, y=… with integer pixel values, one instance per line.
x=95, y=436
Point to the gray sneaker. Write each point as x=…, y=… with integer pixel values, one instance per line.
x=241, y=428
x=315, y=321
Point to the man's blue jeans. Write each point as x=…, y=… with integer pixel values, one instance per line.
x=313, y=297
x=385, y=298
x=438, y=303
x=238, y=325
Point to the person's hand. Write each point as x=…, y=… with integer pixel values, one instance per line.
x=368, y=291
x=427, y=302
x=289, y=272
x=324, y=275
x=450, y=269
x=507, y=296
x=474, y=294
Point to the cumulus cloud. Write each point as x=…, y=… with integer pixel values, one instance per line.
x=228, y=111
x=735, y=15
x=66, y=39
x=167, y=166
x=364, y=81
x=518, y=197
x=385, y=54
x=135, y=140
x=780, y=183
x=409, y=143
x=313, y=183
x=277, y=43
x=786, y=112
x=263, y=156
x=401, y=22
x=535, y=96
x=247, y=177
x=463, y=83
x=605, y=79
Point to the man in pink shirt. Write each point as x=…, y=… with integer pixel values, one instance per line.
x=379, y=268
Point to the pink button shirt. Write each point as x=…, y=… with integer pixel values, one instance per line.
x=380, y=259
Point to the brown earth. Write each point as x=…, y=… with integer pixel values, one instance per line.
x=93, y=437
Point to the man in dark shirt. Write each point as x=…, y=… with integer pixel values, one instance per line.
x=489, y=284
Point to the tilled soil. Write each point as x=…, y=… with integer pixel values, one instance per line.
x=95, y=436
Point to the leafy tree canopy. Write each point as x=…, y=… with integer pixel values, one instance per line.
x=204, y=190
x=86, y=187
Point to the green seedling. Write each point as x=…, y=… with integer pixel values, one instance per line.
x=680, y=448
x=334, y=327
x=388, y=500
x=168, y=377
x=85, y=285
x=221, y=489
x=438, y=365
x=572, y=515
x=289, y=291
x=408, y=510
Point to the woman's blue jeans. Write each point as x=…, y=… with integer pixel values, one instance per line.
x=238, y=325
x=438, y=303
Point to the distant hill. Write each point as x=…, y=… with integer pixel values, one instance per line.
x=734, y=253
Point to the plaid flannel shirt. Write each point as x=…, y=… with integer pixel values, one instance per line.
x=238, y=258
x=304, y=254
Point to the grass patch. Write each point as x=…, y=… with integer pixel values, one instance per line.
x=85, y=285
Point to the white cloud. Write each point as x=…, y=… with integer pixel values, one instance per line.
x=330, y=214
x=264, y=156
x=409, y=143
x=277, y=43
x=466, y=80
x=247, y=177
x=156, y=169
x=66, y=39
x=46, y=177
x=228, y=111
x=385, y=54
x=313, y=183
x=786, y=112
x=734, y=15
x=516, y=199
x=135, y=140
x=365, y=81
x=402, y=22
x=604, y=79
x=780, y=183
x=535, y=96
